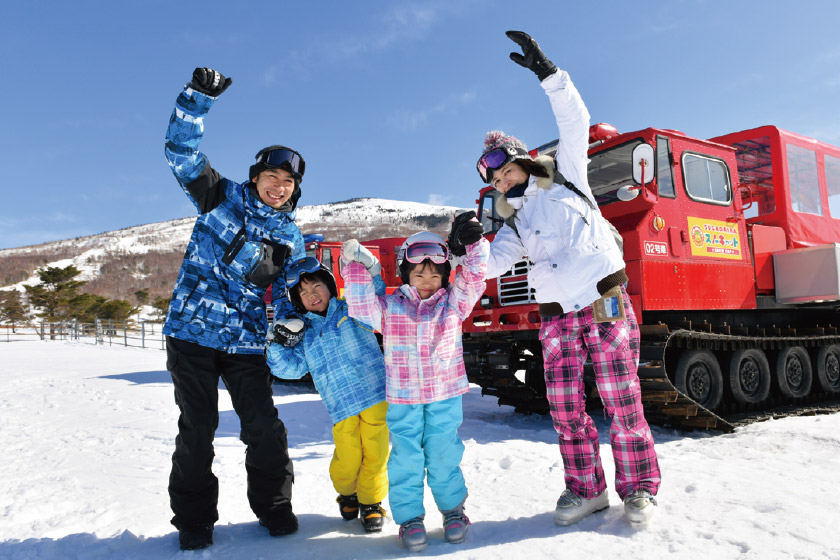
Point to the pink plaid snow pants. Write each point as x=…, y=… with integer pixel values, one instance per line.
x=613, y=348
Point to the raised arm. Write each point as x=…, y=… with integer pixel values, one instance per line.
x=360, y=290
x=466, y=239
x=569, y=110
x=202, y=184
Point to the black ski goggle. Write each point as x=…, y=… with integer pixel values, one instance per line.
x=283, y=158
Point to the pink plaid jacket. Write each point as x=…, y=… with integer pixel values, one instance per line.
x=424, y=358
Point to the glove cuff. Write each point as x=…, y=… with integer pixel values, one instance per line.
x=544, y=71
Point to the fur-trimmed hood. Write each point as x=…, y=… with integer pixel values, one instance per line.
x=504, y=208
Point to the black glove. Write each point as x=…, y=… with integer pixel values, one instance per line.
x=271, y=264
x=209, y=82
x=289, y=331
x=534, y=59
x=466, y=230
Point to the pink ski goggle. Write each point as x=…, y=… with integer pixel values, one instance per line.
x=416, y=253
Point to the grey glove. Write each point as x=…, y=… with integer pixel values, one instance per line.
x=288, y=331
x=352, y=250
x=209, y=82
x=532, y=56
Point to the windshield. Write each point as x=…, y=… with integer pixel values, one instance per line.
x=611, y=169
x=487, y=215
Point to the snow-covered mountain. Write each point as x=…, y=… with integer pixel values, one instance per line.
x=360, y=218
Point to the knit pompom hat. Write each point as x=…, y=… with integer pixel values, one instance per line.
x=498, y=139
x=511, y=149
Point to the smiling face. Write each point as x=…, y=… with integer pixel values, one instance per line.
x=274, y=187
x=508, y=176
x=425, y=278
x=314, y=294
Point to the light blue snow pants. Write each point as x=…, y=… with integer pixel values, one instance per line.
x=425, y=441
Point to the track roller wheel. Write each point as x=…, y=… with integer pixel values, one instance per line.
x=749, y=376
x=698, y=376
x=793, y=372
x=828, y=368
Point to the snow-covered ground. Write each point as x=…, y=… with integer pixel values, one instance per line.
x=87, y=433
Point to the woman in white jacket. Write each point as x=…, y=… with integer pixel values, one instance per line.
x=578, y=276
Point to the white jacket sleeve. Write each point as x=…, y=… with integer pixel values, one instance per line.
x=572, y=119
x=505, y=250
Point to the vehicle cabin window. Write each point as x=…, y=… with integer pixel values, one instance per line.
x=706, y=179
x=490, y=221
x=804, y=184
x=755, y=169
x=326, y=258
x=610, y=170
x=664, y=173
x=832, y=181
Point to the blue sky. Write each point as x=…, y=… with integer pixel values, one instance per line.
x=385, y=99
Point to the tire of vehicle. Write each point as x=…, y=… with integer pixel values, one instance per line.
x=828, y=368
x=698, y=376
x=793, y=372
x=749, y=376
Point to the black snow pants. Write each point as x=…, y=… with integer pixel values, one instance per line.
x=193, y=488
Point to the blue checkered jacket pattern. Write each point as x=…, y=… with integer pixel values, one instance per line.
x=343, y=357
x=214, y=304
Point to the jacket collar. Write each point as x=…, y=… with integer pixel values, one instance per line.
x=284, y=213
x=506, y=209
x=314, y=319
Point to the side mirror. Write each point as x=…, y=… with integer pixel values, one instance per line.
x=742, y=193
x=643, y=163
x=738, y=201
x=628, y=192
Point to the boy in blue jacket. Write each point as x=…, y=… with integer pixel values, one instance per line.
x=244, y=236
x=348, y=370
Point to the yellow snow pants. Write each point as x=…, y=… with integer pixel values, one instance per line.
x=359, y=463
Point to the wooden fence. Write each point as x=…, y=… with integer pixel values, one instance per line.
x=146, y=334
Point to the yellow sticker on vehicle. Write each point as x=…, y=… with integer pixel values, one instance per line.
x=713, y=238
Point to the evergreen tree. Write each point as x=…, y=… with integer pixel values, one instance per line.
x=11, y=307
x=161, y=305
x=115, y=309
x=55, y=292
x=85, y=307
x=142, y=296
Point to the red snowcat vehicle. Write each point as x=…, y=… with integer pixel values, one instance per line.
x=732, y=247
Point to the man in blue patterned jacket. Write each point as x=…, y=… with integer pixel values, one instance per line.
x=216, y=327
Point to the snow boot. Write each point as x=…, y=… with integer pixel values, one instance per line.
x=195, y=537
x=279, y=523
x=639, y=507
x=571, y=508
x=348, y=506
x=373, y=517
x=413, y=534
x=455, y=525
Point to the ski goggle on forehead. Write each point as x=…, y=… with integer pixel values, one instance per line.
x=491, y=161
x=416, y=253
x=284, y=157
x=306, y=265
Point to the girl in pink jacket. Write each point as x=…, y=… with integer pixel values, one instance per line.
x=425, y=376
